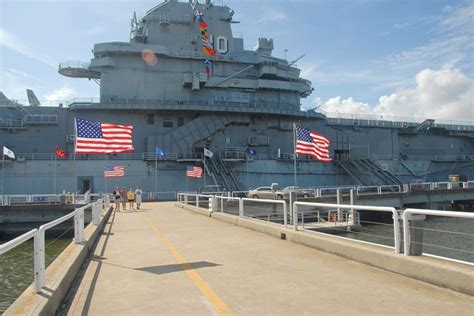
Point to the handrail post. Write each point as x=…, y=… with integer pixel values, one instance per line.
x=406, y=233
x=295, y=216
x=185, y=198
x=197, y=200
x=285, y=211
x=396, y=232
x=39, y=258
x=96, y=214
x=79, y=227
x=352, y=211
x=338, y=199
x=241, y=207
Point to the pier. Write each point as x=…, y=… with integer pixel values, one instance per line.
x=164, y=259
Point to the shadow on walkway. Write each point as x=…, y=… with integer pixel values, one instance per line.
x=170, y=268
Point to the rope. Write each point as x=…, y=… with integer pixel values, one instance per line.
x=62, y=234
x=443, y=247
x=377, y=223
x=360, y=233
x=443, y=231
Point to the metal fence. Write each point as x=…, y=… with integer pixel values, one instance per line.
x=440, y=233
x=336, y=215
x=345, y=221
x=39, y=236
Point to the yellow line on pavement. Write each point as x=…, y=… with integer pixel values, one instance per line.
x=215, y=300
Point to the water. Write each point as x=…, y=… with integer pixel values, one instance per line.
x=16, y=268
x=442, y=236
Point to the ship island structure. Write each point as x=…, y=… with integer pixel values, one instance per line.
x=241, y=105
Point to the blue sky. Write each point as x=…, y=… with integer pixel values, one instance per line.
x=379, y=57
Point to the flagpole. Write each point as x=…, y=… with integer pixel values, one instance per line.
x=3, y=173
x=186, y=182
x=294, y=150
x=204, y=178
x=54, y=184
x=156, y=172
x=105, y=178
x=74, y=186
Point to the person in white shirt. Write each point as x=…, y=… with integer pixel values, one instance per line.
x=138, y=197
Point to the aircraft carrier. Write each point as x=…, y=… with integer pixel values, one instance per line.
x=241, y=105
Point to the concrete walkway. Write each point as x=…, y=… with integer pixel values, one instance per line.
x=166, y=260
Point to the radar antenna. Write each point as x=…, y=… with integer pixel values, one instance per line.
x=296, y=60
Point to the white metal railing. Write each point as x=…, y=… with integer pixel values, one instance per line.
x=39, y=236
x=17, y=241
x=409, y=212
x=281, y=202
x=220, y=201
x=395, y=216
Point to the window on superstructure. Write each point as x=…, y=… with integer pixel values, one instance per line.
x=168, y=123
x=180, y=121
x=150, y=118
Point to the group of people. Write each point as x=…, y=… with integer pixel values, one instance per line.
x=131, y=196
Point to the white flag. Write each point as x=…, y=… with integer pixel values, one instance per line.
x=8, y=152
x=208, y=153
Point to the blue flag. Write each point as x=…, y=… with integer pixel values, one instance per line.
x=251, y=151
x=160, y=152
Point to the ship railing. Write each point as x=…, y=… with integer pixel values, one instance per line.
x=234, y=153
x=154, y=156
x=39, y=236
x=393, y=121
x=307, y=212
x=332, y=191
x=444, y=234
x=422, y=186
x=74, y=64
x=69, y=198
x=190, y=156
x=11, y=123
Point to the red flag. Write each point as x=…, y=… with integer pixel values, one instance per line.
x=60, y=153
x=203, y=25
x=209, y=51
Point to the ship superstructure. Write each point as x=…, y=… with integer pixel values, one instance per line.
x=243, y=111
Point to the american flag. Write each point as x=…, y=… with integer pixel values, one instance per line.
x=102, y=138
x=114, y=171
x=194, y=172
x=310, y=143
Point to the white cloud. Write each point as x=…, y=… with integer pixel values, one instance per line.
x=10, y=41
x=337, y=104
x=441, y=94
x=272, y=15
x=438, y=94
x=60, y=94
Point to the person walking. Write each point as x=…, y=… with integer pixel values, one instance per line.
x=123, y=198
x=131, y=198
x=138, y=195
x=116, y=195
